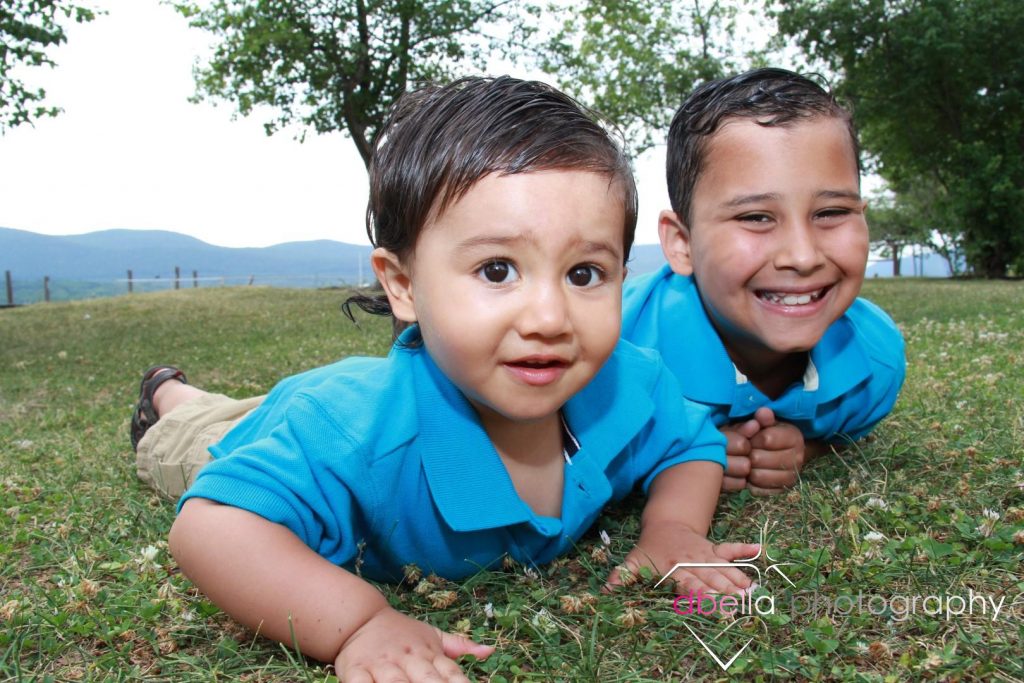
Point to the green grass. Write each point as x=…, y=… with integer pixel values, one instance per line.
x=89, y=592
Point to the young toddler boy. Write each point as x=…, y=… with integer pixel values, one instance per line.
x=757, y=311
x=500, y=424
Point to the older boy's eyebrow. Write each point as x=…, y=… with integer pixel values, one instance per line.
x=840, y=194
x=743, y=200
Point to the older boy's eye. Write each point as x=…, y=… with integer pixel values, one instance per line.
x=499, y=272
x=584, y=276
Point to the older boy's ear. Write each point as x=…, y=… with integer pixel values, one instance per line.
x=675, y=242
x=393, y=276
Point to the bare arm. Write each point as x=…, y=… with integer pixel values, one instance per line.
x=266, y=578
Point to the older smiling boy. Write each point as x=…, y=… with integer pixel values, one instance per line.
x=757, y=312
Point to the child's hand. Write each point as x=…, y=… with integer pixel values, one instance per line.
x=664, y=545
x=777, y=454
x=394, y=647
x=737, y=453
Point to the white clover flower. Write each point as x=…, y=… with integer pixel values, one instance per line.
x=531, y=573
x=877, y=503
x=605, y=538
x=489, y=610
x=988, y=524
x=873, y=537
x=149, y=553
x=543, y=622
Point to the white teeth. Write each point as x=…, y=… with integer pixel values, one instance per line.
x=791, y=299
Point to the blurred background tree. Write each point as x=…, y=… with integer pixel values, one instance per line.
x=636, y=60
x=337, y=65
x=27, y=29
x=937, y=88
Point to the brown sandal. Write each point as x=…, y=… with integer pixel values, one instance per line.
x=145, y=415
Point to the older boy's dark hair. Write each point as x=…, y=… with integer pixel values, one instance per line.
x=440, y=140
x=770, y=96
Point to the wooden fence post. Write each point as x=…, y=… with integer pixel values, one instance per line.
x=10, y=289
x=177, y=277
x=129, y=281
x=46, y=288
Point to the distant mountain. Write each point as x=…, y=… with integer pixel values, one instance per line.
x=109, y=254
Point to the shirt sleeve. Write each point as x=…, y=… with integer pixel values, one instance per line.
x=285, y=478
x=680, y=431
x=885, y=347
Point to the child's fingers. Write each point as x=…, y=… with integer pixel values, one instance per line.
x=355, y=675
x=765, y=492
x=711, y=580
x=438, y=669
x=737, y=552
x=765, y=417
x=734, y=483
x=772, y=479
x=736, y=443
x=737, y=466
x=747, y=429
x=455, y=646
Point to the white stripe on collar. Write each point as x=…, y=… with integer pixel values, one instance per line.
x=810, y=379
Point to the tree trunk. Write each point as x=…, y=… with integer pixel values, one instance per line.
x=897, y=251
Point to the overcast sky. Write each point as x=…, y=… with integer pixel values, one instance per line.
x=130, y=151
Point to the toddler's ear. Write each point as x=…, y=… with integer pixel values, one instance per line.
x=675, y=242
x=393, y=276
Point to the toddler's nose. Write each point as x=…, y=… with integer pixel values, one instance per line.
x=545, y=312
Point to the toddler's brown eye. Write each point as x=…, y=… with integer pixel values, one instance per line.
x=583, y=276
x=498, y=272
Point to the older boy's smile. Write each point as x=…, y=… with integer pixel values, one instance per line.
x=792, y=298
x=778, y=242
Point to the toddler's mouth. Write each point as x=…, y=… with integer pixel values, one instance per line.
x=792, y=298
x=537, y=363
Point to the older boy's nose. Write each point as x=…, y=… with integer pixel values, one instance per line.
x=545, y=312
x=799, y=250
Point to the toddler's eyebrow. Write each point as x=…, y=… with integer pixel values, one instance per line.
x=587, y=246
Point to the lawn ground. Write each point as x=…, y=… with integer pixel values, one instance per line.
x=900, y=549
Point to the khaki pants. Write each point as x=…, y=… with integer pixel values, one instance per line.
x=173, y=450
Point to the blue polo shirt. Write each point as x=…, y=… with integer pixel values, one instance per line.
x=383, y=462
x=852, y=379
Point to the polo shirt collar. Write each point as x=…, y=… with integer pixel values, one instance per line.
x=467, y=479
x=838, y=362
